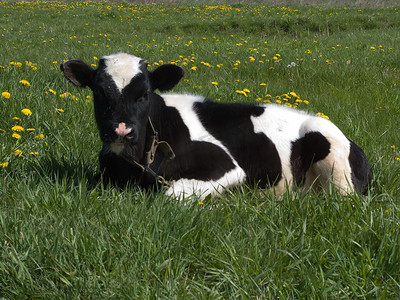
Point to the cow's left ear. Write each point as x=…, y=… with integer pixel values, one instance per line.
x=166, y=77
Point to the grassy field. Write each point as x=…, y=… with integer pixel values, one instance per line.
x=65, y=236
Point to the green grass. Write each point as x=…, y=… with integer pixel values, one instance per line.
x=65, y=236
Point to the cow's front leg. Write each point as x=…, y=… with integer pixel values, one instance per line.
x=185, y=187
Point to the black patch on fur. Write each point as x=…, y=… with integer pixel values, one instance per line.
x=309, y=149
x=193, y=159
x=255, y=153
x=361, y=175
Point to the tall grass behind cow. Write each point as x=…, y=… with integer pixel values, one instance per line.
x=201, y=146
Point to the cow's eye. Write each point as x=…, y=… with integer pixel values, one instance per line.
x=143, y=98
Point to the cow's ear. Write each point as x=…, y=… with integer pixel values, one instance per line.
x=166, y=77
x=78, y=72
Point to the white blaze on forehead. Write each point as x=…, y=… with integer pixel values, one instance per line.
x=122, y=67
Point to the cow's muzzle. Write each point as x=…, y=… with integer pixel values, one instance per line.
x=124, y=132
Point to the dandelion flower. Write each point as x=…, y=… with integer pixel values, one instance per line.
x=30, y=129
x=6, y=95
x=17, y=153
x=16, y=119
x=16, y=136
x=320, y=114
x=60, y=110
x=34, y=153
x=24, y=82
x=26, y=111
x=52, y=91
x=17, y=128
x=39, y=136
x=241, y=92
x=4, y=165
x=214, y=83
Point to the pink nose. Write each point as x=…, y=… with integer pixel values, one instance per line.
x=122, y=130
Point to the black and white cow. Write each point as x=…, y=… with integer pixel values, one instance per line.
x=206, y=146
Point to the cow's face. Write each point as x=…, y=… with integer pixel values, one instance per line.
x=122, y=91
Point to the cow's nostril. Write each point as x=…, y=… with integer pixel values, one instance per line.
x=129, y=136
x=122, y=130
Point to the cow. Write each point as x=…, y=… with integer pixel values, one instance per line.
x=199, y=146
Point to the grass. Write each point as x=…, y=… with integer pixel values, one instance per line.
x=63, y=235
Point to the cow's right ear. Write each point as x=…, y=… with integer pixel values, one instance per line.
x=78, y=72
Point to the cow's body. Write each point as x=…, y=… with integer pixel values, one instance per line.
x=215, y=145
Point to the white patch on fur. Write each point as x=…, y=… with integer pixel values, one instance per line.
x=281, y=125
x=285, y=125
x=335, y=167
x=184, y=187
x=122, y=67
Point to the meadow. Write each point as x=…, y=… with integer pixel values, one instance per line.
x=63, y=235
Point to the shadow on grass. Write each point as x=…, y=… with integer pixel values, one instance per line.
x=66, y=168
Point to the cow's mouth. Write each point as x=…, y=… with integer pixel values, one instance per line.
x=117, y=147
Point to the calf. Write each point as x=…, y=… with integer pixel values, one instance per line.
x=202, y=147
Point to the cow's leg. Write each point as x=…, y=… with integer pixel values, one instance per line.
x=334, y=167
x=183, y=187
x=202, y=168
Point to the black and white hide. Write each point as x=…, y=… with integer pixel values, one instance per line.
x=208, y=146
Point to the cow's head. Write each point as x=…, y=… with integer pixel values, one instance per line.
x=122, y=92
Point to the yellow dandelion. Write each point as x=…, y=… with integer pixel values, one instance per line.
x=17, y=153
x=17, y=128
x=30, y=129
x=26, y=111
x=34, y=153
x=4, y=165
x=6, y=95
x=2, y=130
x=16, y=119
x=60, y=110
x=214, y=83
x=241, y=92
x=65, y=95
x=52, y=91
x=263, y=84
x=39, y=136
x=24, y=82
x=320, y=114
x=16, y=136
